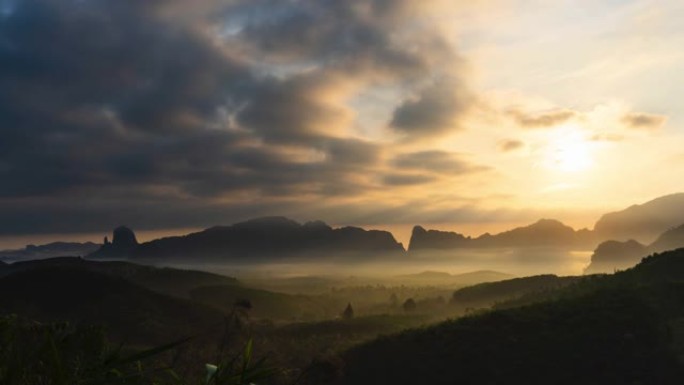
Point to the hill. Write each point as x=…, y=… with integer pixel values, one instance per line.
x=488, y=294
x=439, y=278
x=615, y=255
x=269, y=238
x=169, y=281
x=269, y=305
x=642, y=222
x=627, y=328
x=130, y=312
x=217, y=291
x=543, y=233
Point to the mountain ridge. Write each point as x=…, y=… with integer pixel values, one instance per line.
x=261, y=239
x=544, y=232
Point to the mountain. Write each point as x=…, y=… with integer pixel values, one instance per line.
x=642, y=222
x=55, y=249
x=435, y=239
x=262, y=238
x=615, y=255
x=669, y=240
x=544, y=233
x=122, y=245
x=625, y=328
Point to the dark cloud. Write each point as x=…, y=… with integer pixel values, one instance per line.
x=435, y=161
x=508, y=145
x=437, y=108
x=542, y=119
x=356, y=37
x=167, y=113
x=376, y=41
x=396, y=179
x=291, y=110
x=644, y=121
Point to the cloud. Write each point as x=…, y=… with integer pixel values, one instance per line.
x=437, y=108
x=172, y=114
x=644, y=121
x=397, y=179
x=292, y=110
x=607, y=138
x=360, y=38
x=508, y=145
x=542, y=119
x=436, y=162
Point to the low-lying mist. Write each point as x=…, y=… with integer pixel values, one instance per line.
x=512, y=261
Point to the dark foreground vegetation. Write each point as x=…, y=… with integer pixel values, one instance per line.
x=626, y=328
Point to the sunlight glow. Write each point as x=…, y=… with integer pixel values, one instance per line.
x=568, y=150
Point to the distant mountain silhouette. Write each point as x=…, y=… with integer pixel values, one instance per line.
x=50, y=250
x=669, y=240
x=436, y=239
x=122, y=245
x=261, y=238
x=642, y=222
x=545, y=232
x=616, y=255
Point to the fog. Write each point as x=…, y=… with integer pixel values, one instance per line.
x=514, y=261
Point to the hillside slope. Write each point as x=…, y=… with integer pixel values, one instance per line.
x=130, y=312
x=622, y=329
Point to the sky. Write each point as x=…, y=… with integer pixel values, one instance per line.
x=473, y=116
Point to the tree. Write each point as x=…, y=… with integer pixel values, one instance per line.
x=394, y=301
x=348, y=313
x=409, y=305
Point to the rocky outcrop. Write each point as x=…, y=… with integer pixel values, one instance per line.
x=123, y=245
x=422, y=239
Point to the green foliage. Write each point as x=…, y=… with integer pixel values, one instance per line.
x=63, y=354
x=625, y=328
x=240, y=369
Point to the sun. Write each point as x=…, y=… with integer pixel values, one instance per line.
x=568, y=150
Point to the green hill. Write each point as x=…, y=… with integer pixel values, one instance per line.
x=169, y=281
x=626, y=328
x=130, y=312
x=490, y=293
